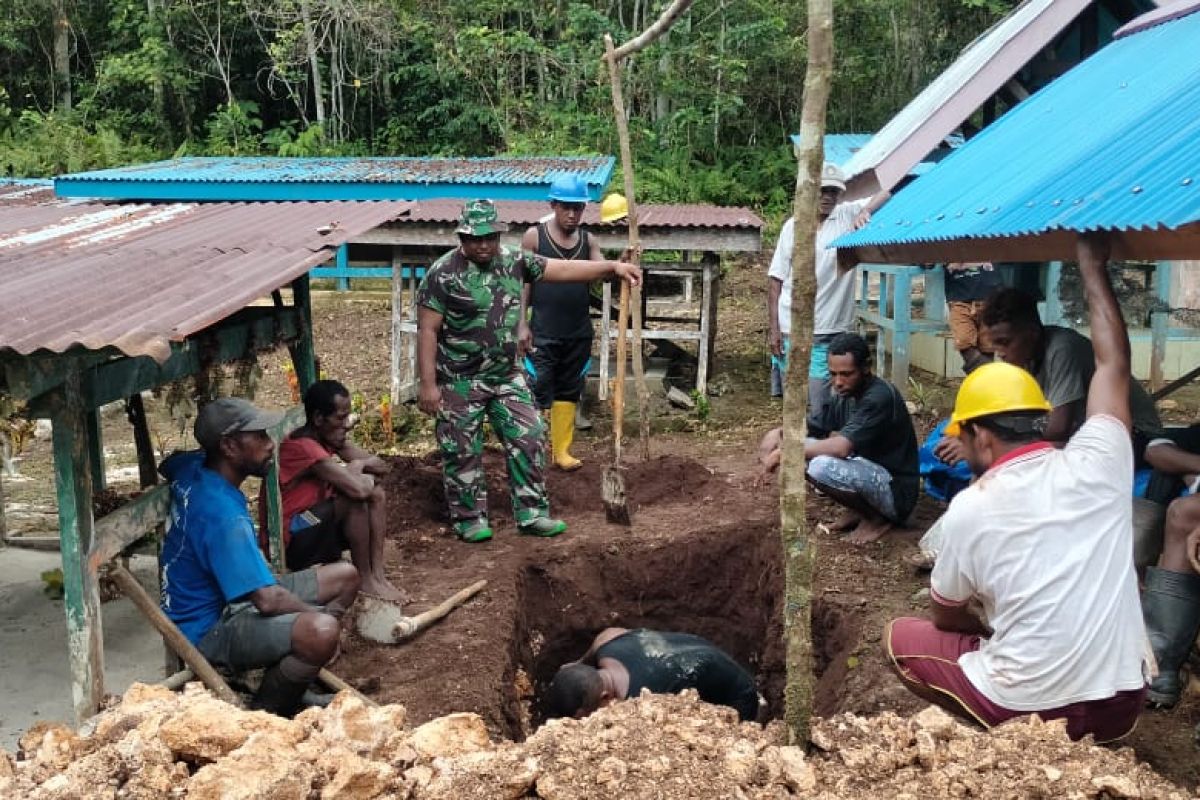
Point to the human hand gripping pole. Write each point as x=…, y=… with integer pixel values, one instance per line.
x=1109, y=390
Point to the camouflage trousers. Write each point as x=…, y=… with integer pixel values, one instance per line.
x=509, y=407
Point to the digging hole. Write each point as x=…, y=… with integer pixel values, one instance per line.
x=724, y=584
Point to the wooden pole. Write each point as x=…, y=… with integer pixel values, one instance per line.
x=411, y=626
x=797, y=548
x=171, y=634
x=81, y=592
x=635, y=245
x=338, y=685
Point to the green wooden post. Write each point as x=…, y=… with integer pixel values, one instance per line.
x=304, y=356
x=342, y=262
x=73, y=478
x=293, y=419
x=95, y=439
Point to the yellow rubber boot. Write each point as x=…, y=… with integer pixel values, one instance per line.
x=562, y=433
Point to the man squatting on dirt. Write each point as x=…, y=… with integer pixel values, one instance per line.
x=621, y=662
x=862, y=451
x=1043, y=541
x=216, y=585
x=470, y=303
x=331, y=501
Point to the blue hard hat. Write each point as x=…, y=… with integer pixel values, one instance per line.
x=569, y=189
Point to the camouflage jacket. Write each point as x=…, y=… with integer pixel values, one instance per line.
x=480, y=308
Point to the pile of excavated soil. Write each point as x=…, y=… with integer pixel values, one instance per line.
x=156, y=744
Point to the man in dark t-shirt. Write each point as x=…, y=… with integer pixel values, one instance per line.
x=863, y=449
x=561, y=321
x=621, y=662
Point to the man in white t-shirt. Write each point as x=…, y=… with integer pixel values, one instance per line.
x=1043, y=542
x=834, y=309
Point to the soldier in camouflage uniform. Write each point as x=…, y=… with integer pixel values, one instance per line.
x=470, y=302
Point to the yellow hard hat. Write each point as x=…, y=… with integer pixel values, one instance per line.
x=995, y=388
x=613, y=208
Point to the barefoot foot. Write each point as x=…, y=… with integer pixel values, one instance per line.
x=846, y=522
x=869, y=531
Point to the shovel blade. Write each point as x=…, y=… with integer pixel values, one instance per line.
x=616, y=508
x=379, y=620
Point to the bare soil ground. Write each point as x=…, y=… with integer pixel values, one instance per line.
x=703, y=554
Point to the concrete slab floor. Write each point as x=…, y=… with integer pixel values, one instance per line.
x=35, y=681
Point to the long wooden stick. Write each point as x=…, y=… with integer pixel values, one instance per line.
x=177, y=641
x=635, y=245
x=407, y=627
x=338, y=685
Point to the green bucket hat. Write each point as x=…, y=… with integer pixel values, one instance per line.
x=479, y=218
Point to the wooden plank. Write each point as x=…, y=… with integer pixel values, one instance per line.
x=81, y=593
x=1175, y=385
x=341, y=265
x=902, y=313
x=127, y=524
x=95, y=438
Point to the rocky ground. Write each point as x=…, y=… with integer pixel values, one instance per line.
x=158, y=744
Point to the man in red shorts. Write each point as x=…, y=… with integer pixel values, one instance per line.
x=331, y=501
x=1043, y=542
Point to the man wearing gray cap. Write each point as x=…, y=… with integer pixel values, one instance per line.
x=216, y=585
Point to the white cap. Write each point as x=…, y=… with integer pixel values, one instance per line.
x=832, y=176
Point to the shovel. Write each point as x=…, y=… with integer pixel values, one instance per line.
x=612, y=484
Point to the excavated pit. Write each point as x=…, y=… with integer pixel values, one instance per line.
x=724, y=584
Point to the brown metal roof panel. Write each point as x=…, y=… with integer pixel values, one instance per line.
x=519, y=212
x=151, y=274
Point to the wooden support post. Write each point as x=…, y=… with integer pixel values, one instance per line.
x=81, y=600
x=293, y=418
x=342, y=263
x=902, y=316
x=304, y=355
x=708, y=270
x=95, y=439
x=135, y=411
x=1160, y=325
x=935, y=295
x=1052, y=311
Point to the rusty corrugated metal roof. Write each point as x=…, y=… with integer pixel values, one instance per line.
x=517, y=212
x=137, y=276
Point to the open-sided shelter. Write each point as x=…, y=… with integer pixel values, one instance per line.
x=103, y=301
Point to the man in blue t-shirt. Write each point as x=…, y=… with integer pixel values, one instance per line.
x=216, y=585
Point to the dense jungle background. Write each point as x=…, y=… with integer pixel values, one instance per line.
x=94, y=83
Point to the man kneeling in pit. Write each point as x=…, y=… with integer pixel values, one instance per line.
x=622, y=662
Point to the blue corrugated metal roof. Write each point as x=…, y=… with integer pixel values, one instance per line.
x=1109, y=145
x=840, y=148
x=257, y=179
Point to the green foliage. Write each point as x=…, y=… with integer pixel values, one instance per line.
x=710, y=105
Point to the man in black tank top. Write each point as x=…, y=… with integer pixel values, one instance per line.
x=561, y=323
x=621, y=662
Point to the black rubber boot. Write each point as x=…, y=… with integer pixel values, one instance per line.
x=278, y=694
x=1171, y=610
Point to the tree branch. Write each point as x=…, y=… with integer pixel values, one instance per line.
x=646, y=37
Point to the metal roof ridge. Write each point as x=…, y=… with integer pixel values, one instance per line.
x=1165, y=13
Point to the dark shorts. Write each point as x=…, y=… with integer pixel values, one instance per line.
x=557, y=369
x=245, y=639
x=928, y=657
x=321, y=543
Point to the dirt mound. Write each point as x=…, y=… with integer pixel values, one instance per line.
x=156, y=744
x=415, y=486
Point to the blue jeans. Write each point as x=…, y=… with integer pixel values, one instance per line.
x=857, y=476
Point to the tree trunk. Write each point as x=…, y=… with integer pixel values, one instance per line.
x=62, y=57
x=314, y=62
x=797, y=549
